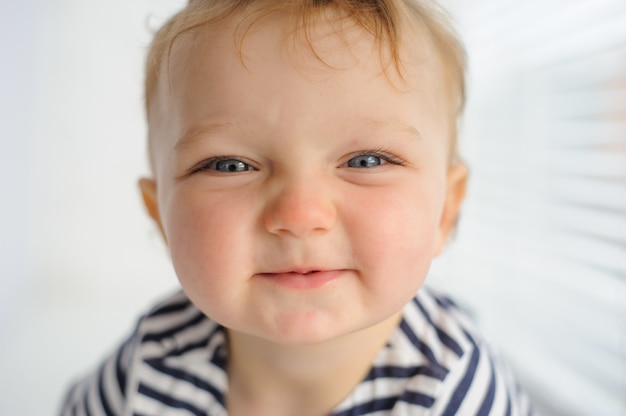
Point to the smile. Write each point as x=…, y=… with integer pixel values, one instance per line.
x=303, y=279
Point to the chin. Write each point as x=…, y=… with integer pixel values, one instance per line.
x=301, y=337
x=306, y=333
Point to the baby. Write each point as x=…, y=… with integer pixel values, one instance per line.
x=305, y=174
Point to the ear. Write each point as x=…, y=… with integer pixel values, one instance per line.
x=148, y=189
x=456, y=184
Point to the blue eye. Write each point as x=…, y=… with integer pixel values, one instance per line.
x=220, y=165
x=365, y=161
x=229, y=165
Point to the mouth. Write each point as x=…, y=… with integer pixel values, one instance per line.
x=303, y=279
x=303, y=271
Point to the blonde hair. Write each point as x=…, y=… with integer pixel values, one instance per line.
x=381, y=18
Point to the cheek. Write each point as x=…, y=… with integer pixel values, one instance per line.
x=206, y=239
x=396, y=235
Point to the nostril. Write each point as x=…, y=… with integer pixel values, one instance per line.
x=297, y=211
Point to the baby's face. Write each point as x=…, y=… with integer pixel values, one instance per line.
x=300, y=200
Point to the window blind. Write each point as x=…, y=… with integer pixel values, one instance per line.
x=540, y=256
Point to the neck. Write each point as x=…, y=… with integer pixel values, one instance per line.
x=267, y=375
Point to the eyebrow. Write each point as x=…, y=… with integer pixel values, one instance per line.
x=192, y=136
x=196, y=134
x=379, y=123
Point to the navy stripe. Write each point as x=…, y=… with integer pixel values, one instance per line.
x=448, y=304
x=220, y=356
x=103, y=397
x=170, y=308
x=419, y=399
x=160, y=366
x=81, y=405
x=443, y=301
x=158, y=336
x=215, y=347
x=120, y=371
x=396, y=372
x=69, y=404
x=466, y=382
x=75, y=409
x=170, y=401
x=201, y=344
x=84, y=403
x=447, y=340
x=485, y=407
x=377, y=405
x=424, y=349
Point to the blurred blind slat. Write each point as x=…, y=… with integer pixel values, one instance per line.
x=540, y=257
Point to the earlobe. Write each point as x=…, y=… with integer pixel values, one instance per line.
x=148, y=189
x=456, y=185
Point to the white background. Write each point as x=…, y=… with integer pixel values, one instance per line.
x=540, y=255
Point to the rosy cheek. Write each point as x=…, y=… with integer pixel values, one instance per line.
x=208, y=235
x=185, y=229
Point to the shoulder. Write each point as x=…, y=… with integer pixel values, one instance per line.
x=472, y=378
x=175, y=358
x=168, y=319
x=433, y=332
x=436, y=362
x=439, y=327
x=174, y=327
x=179, y=360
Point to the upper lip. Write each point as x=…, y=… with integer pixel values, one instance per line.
x=300, y=270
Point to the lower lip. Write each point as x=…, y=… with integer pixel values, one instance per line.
x=301, y=281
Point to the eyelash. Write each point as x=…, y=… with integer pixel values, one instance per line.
x=380, y=153
x=209, y=164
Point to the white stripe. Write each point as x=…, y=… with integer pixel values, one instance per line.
x=72, y=398
x=94, y=405
x=161, y=323
x=428, y=334
x=111, y=386
x=442, y=318
x=501, y=394
x=406, y=409
x=400, y=352
x=80, y=408
x=405, y=346
x=183, y=390
x=149, y=406
x=448, y=387
x=479, y=386
x=184, y=337
x=174, y=388
x=425, y=385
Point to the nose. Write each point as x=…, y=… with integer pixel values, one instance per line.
x=300, y=208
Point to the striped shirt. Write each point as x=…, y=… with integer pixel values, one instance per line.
x=435, y=363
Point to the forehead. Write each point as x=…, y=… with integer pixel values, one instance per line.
x=325, y=44
x=210, y=69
